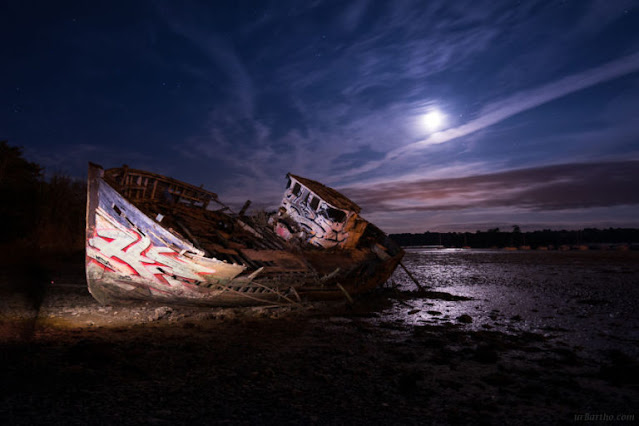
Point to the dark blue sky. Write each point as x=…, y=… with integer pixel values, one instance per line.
x=539, y=102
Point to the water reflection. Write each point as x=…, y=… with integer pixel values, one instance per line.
x=586, y=299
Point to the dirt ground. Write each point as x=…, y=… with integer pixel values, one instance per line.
x=67, y=360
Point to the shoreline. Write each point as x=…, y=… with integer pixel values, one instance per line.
x=323, y=364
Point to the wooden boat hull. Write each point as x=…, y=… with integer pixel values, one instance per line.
x=132, y=257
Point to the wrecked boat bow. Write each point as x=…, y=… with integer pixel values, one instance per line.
x=151, y=237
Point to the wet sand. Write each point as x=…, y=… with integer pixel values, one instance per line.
x=515, y=338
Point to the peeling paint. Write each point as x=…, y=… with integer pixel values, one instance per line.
x=311, y=213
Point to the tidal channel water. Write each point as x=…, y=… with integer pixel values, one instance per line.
x=587, y=299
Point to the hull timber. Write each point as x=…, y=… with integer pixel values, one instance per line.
x=150, y=237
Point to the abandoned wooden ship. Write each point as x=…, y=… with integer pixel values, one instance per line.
x=151, y=237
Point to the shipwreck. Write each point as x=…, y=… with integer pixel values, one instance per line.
x=151, y=237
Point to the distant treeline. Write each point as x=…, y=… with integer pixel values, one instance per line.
x=49, y=214
x=38, y=213
x=516, y=238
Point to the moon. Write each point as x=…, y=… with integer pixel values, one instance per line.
x=433, y=120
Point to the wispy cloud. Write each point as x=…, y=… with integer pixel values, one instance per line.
x=515, y=104
x=505, y=218
x=558, y=187
x=394, y=49
x=526, y=100
x=352, y=16
x=221, y=54
x=354, y=83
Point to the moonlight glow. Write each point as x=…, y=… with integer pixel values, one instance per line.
x=433, y=120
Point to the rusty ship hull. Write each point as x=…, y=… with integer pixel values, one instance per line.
x=153, y=238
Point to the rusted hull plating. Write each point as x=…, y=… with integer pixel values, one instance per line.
x=130, y=256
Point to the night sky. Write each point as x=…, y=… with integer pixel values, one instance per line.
x=433, y=115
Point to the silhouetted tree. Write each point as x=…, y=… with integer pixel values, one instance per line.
x=546, y=237
x=516, y=239
x=62, y=214
x=20, y=182
x=38, y=213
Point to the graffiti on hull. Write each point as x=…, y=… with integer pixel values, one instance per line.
x=129, y=255
x=322, y=225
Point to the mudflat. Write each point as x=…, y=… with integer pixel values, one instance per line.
x=498, y=338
